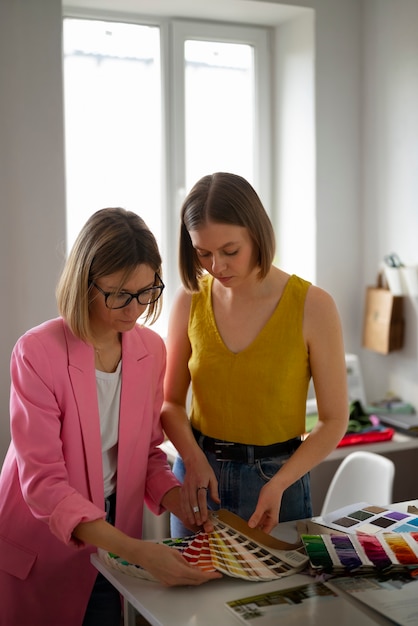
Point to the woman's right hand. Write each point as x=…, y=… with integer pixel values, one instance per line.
x=166, y=564
x=169, y=567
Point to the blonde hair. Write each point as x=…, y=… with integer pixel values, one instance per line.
x=224, y=198
x=111, y=240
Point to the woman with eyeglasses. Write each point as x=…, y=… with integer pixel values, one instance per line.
x=86, y=394
x=248, y=337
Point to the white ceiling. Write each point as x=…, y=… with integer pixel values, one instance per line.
x=243, y=11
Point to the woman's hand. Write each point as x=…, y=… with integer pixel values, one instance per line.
x=166, y=564
x=266, y=514
x=169, y=567
x=199, y=481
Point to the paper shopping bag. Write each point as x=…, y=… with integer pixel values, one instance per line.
x=383, y=326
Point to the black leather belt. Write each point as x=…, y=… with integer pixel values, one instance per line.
x=229, y=451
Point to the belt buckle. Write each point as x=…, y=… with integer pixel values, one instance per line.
x=221, y=449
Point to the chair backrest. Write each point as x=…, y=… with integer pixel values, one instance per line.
x=361, y=477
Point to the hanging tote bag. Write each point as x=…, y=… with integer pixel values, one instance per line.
x=383, y=325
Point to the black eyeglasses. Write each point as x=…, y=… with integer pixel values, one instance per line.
x=118, y=300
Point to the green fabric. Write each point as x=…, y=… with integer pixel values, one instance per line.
x=358, y=422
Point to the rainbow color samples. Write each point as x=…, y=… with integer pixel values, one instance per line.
x=251, y=555
x=362, y=554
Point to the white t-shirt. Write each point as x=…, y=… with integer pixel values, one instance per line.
x=108, y=393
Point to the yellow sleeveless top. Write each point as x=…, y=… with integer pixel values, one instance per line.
x=256, y=396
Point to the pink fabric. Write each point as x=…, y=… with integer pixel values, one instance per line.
x=52, y=476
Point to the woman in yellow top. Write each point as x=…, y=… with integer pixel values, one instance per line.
x=248, y=337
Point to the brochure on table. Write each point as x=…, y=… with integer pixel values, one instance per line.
x=309, y=604
x=395, y=598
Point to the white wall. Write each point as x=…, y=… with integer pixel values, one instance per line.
x=390, y=172
x=366, y=107
x=322, y=209
x=366, y=103
x=32, y=199
x=294, y=124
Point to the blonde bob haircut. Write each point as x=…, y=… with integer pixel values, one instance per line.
x=112, y=240
x=223, y=198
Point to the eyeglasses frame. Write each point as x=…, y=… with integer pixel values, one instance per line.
x=131, y=296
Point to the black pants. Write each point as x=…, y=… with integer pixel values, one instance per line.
x=104, y=607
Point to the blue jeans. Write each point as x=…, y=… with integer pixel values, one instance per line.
x=239, y=486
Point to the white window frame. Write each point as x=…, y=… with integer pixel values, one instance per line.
x=174, y=107
x=173, y=34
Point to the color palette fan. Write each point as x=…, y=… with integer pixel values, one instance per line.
x=251, y=555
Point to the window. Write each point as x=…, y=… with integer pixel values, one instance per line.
x=219, y=97
x=150, y=108
x=112, y=78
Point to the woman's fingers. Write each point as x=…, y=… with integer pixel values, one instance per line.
x=172, y=569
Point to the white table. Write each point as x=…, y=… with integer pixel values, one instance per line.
x=204, y=605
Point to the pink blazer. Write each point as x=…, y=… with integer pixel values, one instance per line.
x=52, y=477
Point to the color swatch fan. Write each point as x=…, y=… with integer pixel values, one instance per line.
x=232, y=548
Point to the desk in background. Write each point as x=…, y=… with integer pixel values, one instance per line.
x=204, y=605
x=402, y=450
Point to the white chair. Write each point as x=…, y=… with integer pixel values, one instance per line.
x=361, y=477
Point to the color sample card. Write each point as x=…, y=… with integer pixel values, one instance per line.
x=369, y=519
x=362, y=553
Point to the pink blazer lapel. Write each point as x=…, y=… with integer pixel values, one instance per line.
x=82, y=374
x=136, y=382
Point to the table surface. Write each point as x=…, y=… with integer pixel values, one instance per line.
x=204, y=605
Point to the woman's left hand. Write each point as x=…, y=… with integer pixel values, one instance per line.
x=199, y=483
x=266, y=514
x=174, y=501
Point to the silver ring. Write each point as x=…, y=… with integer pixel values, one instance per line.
x=196, y=509
x=205, y=488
